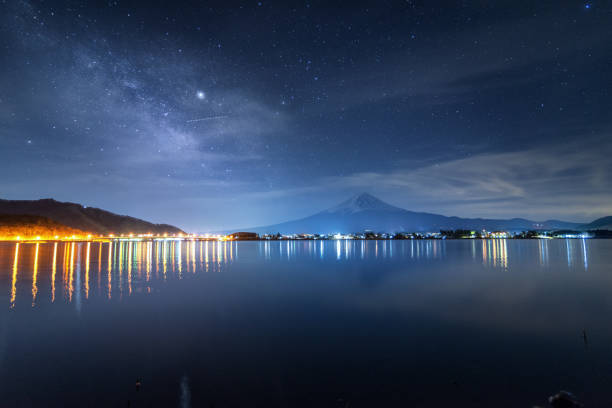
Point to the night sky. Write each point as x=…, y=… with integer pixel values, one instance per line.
x=213, y=115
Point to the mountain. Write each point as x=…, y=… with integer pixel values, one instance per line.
x=604, y=223
x=32, y=226
x=89, y=219
x=366, y=212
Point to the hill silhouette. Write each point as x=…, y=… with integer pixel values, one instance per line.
x=89, y=219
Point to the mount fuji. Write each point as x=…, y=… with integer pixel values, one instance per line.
x=366, y=212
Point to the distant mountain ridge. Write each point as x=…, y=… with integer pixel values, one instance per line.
x=89, y=219
x=366, y=212
x=604, y=223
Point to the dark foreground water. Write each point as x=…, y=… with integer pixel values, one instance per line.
x=305, y=324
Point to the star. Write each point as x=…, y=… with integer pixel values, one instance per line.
x=201, y=95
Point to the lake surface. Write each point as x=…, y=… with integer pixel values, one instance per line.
x=493, y=323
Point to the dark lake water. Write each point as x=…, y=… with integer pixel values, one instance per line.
x=495, y=323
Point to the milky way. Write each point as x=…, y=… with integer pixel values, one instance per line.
x=251, y=113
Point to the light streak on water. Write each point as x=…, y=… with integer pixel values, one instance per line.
x=165, y=258
x=129, y=267
x=34, y=276
x=99, y=266
x=53, y=272
x=120, y=269
x=14, y=277
x=584, y=255
x=206, y=255
x=78, y=302
x=110, y=269
x=87, y=270
x=71, y=274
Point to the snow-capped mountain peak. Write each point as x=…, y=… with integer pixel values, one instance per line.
x=362, y=202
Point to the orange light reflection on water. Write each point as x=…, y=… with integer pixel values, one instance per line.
x=148, y=263
x=87, y=270
x=53, y=272
x=35, y=276
x=14, y=277
x=99, y=266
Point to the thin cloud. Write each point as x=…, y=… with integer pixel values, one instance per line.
x=559, y=181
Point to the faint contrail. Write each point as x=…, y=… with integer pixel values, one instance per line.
x=208, y=118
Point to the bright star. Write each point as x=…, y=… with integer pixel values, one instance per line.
x=588, y=6
x=201, y=95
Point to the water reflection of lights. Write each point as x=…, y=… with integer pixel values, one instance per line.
x=344, y=249
x=77, y=287
x=138, y=267
x=65, y=267
x=53, y=272
x=584, y=255
x=109, y=270
x=120, y=269
x=504, y=253
x=14, y=277
x=165, y=259
x=128, y=267
x=193, y=256
x=495, y=252
x=179, y=260
x=71, y=273
x=543, y=251
x=206, y=255
x=34, y=276
x=99, y=266
x=187, y=256
x=484, y=251
x=87, y=270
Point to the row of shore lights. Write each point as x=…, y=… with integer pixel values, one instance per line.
x=57, y=237
x=38, y=238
